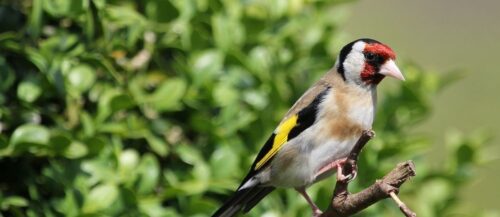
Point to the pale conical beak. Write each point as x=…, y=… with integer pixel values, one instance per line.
x=390, y=69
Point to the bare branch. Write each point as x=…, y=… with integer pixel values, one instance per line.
x=345, y=204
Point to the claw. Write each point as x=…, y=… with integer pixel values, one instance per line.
x=346, y=178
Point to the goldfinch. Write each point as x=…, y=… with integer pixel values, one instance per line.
x=316, y=135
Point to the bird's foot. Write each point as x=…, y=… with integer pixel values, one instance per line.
x=352, y=168
x=339, y=165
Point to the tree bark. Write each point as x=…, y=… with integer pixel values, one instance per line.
x=345, y=204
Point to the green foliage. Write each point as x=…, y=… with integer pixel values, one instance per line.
x=157, y=108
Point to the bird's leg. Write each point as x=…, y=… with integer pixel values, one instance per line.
x=315, y=210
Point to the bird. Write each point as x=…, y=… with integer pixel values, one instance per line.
x=316, y=135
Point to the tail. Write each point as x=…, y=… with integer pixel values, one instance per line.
x=244, y=199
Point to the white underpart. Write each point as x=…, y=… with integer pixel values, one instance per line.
x=364, y=112
x=354, y=63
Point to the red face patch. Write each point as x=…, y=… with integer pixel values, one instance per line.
x=383, y=53
x=380, y=49
x=369, y=76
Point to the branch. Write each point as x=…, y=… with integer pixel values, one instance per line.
x=344, y=204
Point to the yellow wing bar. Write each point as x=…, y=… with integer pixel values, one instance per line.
x=281, y=138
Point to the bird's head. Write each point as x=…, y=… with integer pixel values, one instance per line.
x=367, y=62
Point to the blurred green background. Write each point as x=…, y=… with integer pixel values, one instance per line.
x=157, y=108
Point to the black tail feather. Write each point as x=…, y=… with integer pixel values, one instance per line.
x=244, y=199
x=264, y=191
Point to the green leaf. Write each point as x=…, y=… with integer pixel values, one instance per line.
x=128, y=161
x=95, y=145
x=35, y=21
x=206, y=66
x=59, y=142
x=13, y=201
x=152, y=206
x=76, y=150
x=221, y=26
x=70, y=205
x=59, y=8
x=37, y=59
x=159, y=146
x=7, y=74
x=28, y=91
x=149, y=171
x=225, y=95
x=104, y=108
x=120, y=102
x=81, y=78
x=30, y=133
x=224, y=162
x=168, y=95
x=100, y=198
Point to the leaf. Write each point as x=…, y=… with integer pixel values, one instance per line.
x=30, y=133
x=70, y=204
x=35, y=22
x=37, y=59
x=100, y=198
x=221, y=26
x=128, y=161
x=152, y=206
x=76, y=150
x=104, y=109
x=13, y=201
x=224, y=162
x=81, y=78
x=206, y=66
x=168, y=95
x=7, y=74
x=95, y=145
x=158, y=145
x=256, y=98
x=149, y=171
x=28, y=91
x=59, y=8
x=59, y=142
x=120, y=102
x=225, y=95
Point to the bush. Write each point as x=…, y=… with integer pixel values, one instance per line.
x=157, y=108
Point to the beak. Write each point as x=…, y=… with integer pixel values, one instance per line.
x=390, y=69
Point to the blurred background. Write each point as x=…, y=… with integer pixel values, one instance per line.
x=158, y=108
x=447, y=36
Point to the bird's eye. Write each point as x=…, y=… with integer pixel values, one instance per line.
x=370, y=56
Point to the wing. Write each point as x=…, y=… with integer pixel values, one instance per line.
x=290, y=127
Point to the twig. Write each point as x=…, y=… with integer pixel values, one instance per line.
x=344, y=204
x=402, y=206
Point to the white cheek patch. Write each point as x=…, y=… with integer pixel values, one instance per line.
x=354, y=62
